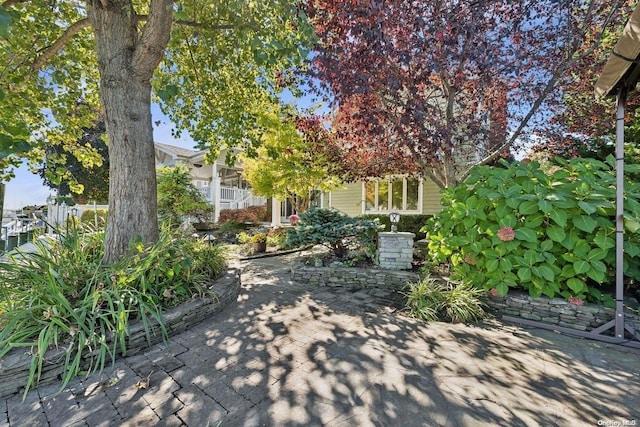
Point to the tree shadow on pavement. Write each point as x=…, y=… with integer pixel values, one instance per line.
x=292, y=354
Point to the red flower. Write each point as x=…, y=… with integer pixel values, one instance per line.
x=494, y=292
x=576, y=301
x=506, y=234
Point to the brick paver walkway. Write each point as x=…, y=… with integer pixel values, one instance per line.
x=290, y=355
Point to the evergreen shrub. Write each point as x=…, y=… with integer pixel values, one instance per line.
x=335, y=230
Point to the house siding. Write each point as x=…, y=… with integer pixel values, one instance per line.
x=349, y=200
x=430, y=197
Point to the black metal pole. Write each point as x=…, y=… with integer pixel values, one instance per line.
x=619, y=313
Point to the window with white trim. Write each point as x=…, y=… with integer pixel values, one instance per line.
x=393, y=194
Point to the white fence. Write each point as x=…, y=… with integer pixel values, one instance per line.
x=57, y=215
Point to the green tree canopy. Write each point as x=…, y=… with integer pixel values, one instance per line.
x=290, y=165
x=210, y=64
x=84, y=180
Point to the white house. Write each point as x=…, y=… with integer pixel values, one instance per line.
x=220, y=184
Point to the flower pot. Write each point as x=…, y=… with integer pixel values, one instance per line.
x=259, y=247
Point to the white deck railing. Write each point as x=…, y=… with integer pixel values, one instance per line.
x=230, y=194
x=227, y=194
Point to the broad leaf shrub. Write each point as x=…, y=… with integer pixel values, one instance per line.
x=550, y=233
x=62, y=297
x=334, y=230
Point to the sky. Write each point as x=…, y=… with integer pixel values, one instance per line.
x=27, y=189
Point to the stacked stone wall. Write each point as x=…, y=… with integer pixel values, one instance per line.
x=556, y=311
x=356, y=278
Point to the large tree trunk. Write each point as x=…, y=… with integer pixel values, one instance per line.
x=126, y=60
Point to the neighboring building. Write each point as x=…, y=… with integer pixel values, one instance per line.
x=405, y=195
x=221, y=185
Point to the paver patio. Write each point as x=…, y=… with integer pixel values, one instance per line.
x=289, y=354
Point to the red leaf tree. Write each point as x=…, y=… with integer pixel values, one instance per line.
x=436, y=87
x=588, y=122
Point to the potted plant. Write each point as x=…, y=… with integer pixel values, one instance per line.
x=259, y=241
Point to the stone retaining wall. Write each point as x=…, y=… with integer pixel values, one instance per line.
x=14, y=367
x=555, y=311
x=356, y=278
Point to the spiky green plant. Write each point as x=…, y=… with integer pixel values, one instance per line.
x=433, y=299
x=62, y=298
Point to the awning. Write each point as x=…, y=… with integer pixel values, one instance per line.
x=622, y=67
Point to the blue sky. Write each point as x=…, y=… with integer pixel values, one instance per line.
x=27, y=189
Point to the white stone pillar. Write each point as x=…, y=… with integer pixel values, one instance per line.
x=395, y=250
x=276, y=214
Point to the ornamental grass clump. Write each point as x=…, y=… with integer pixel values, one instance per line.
x=62, y=297
x=434, y=299
x=549, y=232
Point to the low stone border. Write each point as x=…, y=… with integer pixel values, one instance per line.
x=14, y=367
x=555, y=311
x=356, y=278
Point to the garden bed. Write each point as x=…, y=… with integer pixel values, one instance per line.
x=14, y=367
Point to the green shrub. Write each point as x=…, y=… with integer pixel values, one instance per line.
x=63, y=297
x=277, y=238
x=232, y=227
x=408, y=223
x=548, y=233
x=333, y=229
x=432, y=299
x=179, y=198
x=243, y=237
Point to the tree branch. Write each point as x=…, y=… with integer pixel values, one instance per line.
x=48, y=52
x=8, y=3
x=154, y=38
x=193, y=24
x=548, y=88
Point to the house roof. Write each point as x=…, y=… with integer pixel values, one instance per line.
x=177, y=151
x=166, y=152
x=622, y=68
